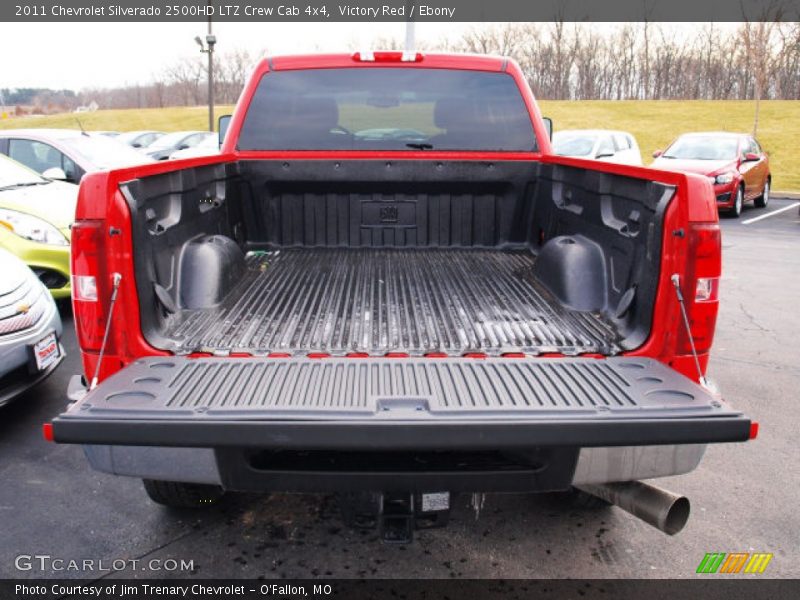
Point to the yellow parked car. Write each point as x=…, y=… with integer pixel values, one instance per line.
x=35, y=216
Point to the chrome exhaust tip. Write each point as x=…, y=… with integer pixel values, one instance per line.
x=664, y=510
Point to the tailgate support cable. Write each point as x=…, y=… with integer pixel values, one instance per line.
x=676, y=282
x=115, y=288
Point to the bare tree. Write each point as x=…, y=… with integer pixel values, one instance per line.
x=185, y=75
x=502, y=39
x=756, y=38
x=232, y=70
x=754, y=60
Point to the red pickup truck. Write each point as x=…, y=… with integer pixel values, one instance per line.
x=387, y=286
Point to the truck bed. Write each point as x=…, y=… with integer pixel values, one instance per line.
x=377, y=301
x=320, y=256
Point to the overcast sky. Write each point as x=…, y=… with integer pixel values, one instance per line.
x=77, y=55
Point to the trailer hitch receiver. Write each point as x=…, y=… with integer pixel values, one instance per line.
x=395, y=515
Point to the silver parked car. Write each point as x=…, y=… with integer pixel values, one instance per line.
x=598, y=144
x=208, y=146
x=139, y=139
x=164, y=146
x=30, y=329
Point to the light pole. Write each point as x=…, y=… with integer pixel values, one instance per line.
x=410, y=46
x=208, y=48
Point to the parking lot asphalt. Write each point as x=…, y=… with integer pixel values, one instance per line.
x=744, y=496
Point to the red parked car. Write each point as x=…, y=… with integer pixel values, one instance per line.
x=735, y=162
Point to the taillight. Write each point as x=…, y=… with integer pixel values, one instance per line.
x=701, y=285
x=84, y=287
x=707, y=289
x=90, y=290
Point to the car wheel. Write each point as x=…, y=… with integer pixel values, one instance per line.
x=736, y=211
x=176, y=494
x=763, y=199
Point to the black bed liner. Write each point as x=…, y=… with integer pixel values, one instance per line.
x=376, y=301
x=403, y=403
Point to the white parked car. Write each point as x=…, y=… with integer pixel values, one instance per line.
x=67, y=154
x=598, y=144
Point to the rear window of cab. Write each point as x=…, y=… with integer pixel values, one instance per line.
x=387, y=109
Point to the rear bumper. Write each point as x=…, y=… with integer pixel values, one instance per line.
x=403, y=435
x=202, y=465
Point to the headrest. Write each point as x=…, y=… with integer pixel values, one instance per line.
x=453, y=112
x=316, y=113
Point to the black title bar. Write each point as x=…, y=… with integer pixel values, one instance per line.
x=262, y=11
x=710, y=588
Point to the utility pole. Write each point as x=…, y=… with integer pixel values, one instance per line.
x=208, y=48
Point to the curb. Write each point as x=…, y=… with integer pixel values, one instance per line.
x=786, y=195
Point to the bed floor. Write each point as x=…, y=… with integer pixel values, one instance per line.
x=376, y=301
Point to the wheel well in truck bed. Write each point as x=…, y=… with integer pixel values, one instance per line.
x=594, y=238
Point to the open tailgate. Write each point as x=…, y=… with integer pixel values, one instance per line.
x=398, y=403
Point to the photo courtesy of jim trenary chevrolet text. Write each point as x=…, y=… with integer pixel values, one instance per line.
x=399, y=299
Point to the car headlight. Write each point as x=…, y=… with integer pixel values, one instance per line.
x=32, y=228
x=724, y=178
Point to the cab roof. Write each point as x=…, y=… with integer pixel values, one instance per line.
x=471, y=62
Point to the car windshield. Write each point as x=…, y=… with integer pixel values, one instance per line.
x=387, y=109
x=168, y=141
x=104, y=152
x=703, y=147
x=14, y=174
x=567, y=144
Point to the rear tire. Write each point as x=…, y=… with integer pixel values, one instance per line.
x=177, y=494
x=738, y=201
x=763, y=199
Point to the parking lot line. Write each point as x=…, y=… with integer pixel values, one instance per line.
x=769, y=214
